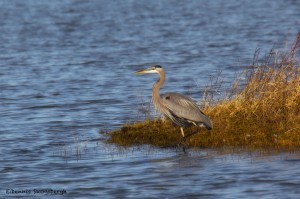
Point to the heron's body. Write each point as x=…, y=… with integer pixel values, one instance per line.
x=188, y=114
x=181, y=109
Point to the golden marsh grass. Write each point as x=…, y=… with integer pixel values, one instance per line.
x=262, y=109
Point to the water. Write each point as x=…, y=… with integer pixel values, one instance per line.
x=67, y=73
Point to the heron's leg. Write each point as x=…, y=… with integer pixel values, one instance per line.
x=183, y=139
x=181, y=144
x=182, y=131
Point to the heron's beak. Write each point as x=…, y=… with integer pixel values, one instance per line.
x=140, y=72
x=148, y=70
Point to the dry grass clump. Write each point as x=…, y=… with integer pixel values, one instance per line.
x=263, y=110
x=157, y=132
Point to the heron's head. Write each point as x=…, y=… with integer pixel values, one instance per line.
x=152, y=69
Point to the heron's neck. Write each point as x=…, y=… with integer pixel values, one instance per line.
x=157, y=85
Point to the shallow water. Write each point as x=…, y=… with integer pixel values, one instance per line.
x=67, y=73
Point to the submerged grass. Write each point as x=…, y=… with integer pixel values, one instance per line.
x=262, y=109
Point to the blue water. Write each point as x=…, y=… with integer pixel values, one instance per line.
x=66, y=73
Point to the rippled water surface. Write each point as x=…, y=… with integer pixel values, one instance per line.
x=66, y=73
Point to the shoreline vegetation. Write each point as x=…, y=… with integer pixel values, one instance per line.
x=262, y=109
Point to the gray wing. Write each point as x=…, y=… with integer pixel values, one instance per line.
x=185, y=109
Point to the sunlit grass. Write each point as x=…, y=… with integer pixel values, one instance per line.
x=262, y=109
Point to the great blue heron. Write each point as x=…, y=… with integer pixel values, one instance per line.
x=181, y=109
